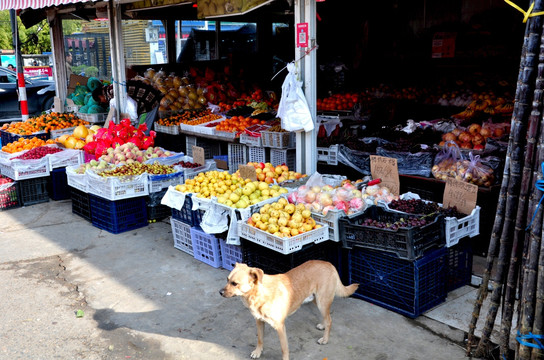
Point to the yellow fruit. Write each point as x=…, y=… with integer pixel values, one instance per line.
x=70, y=142
x=79, y=144
x=89, y=138
x=62, y=139
x=81, y=132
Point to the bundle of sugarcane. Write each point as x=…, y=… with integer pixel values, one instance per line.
x=509, y=239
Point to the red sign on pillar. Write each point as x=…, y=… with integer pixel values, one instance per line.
x=302, y=35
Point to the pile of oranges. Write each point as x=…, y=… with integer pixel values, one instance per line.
x=45, y=122
x=237, y=123
x=25, y=144
x=338, y=102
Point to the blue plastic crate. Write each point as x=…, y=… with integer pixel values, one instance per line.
x=81, y=203
x=120, y=215
x=33, y=191
x=7, y=137
x=230, y=254
x=407, y=287
x=459, y=265
x=187, y=214
x=57, y=186
x=206, y=247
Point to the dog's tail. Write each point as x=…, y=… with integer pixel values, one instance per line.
x=345, y=291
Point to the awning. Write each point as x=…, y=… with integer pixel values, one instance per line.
x=35, y=4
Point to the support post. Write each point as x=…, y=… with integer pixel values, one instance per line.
x=118, y=58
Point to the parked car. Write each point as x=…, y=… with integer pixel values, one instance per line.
x=39, y=93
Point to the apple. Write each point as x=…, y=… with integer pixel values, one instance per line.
x=269, y=180
x=256, y=217
x=306, y=213
x=290, y=208
x=282, y=221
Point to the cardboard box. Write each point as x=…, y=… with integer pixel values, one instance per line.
x=74, y=80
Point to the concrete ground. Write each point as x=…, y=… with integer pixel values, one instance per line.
x=143, y=299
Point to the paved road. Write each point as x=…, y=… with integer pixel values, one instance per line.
x=144, y=299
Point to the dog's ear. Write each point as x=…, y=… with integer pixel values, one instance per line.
x=257, y=274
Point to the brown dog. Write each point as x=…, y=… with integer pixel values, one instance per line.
x=272, y=298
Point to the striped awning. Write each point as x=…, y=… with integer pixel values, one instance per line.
x=35, y=4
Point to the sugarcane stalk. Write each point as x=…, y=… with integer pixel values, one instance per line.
x=517, y=142
x=521, y=217
x=538, y=325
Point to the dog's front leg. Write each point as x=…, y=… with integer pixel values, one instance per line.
x=283, y=341
x=260, y=336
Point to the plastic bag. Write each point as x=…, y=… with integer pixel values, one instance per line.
x=445, y=163
x=293, y=108
x=473, y=171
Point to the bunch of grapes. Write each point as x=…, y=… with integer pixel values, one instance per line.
x=451, y=211
x=400, y=223
x=414, y=206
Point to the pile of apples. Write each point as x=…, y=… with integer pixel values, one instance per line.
x=268, y=173
x=129, y=153
x=322, y=199
x=283, y=219
x=230, y=190
x=474, y=136
x=94, y=165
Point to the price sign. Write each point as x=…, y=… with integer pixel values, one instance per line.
x=198, y=155
x=248, y=172
x=460, y=194
x=386, y=168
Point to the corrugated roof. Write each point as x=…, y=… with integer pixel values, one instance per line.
x=35, y=4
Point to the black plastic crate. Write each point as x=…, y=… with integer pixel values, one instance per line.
x=9, y=197
x=81, y=203
x=155, y=210
x=407, y=243
x=57, y=186
x=407, y=287
x=120, y=215
x=460, y=258
x=33, y=191
x=187, y=215
x=7, y=137
x=272, y=262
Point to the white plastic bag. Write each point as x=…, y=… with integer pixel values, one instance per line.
x=293, y=108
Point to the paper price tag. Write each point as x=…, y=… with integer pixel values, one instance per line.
x=460, y=194
x=386, y=168
x=198, y=155
x=247, y=172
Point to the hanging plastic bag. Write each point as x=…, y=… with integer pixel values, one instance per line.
x=293, y=108
x=473, y=171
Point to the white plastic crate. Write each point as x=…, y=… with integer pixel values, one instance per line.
x=18, y=169
x=191, y=173
x=6, y=155
x=78, y=181
x=328, y=155
x=230, y=254
x=257, y=154
x=211, y=148
x=278, y=140
x=237, y=154
x=117, y=188
x=286, y=245
x=172, y=130
x=182, y=236
x=206, y=248
x=331, y=219
x=67, y=157
x=287, y=157
x=456, y=229
x=250, y=140
x=160, y=182
x=93, y=118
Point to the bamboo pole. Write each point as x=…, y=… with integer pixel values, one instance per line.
x=514, y=155
x=538, y=325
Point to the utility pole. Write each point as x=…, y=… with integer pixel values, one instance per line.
x=19, y=64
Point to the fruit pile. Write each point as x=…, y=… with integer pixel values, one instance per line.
x=464, y=170
x=401, y=223
x=129, y=153
x=79, y=137
x=268, y=173
x=138, y=169
x=283, y=219
x=475, y=135
x=8, y=194
x=187, y=164
x=322, y=199
x=338, y=102
x=202, y=120
x=38, y=153
x=237, y=123
x=25, y=144
x=93, y=165
x=418, y=206
x=230, y=190
x=45, y=122
x=183, y=117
